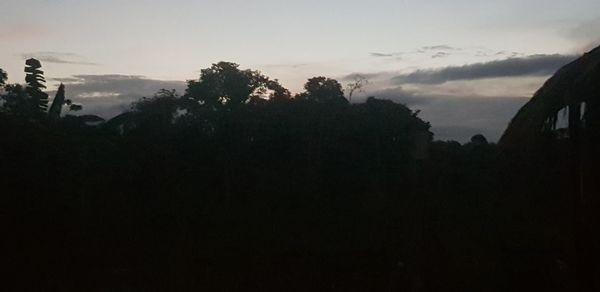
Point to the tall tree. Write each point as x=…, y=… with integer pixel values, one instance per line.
x=57, y=103
x=35, y=83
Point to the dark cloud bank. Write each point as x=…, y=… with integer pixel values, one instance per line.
x=535, y=65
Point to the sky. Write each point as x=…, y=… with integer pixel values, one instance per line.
x=467, y=65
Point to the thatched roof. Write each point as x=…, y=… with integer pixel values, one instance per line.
x=574, y=84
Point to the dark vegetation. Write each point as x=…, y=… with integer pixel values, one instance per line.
x=237, y=185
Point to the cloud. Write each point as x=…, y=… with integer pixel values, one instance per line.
x=58, y=58
x=437, y=51
x=381, y=55
x=110, y=95
x=440, y=55
x=65, y=80
x=534, y=65
x=508, y=54
x=439, y=48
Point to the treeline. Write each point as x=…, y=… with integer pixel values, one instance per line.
x=233, y=131
x=238, y=185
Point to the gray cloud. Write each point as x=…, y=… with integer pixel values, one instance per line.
x=534, y=65
x=508, y=54
x=381, y=55
x=109, y=95
x=439, y=48
x=436, y=51
x=65, y=80
x=440, y=55
x=58, y=58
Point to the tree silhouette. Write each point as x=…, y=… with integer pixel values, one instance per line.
x=479, y=140
x=57, y=103
x=30, y=100
x=357, y=86
x=35, y=83
x=16, y=100
x=158, y=110
x=322, y=89
x=277, y=91
x=225, y=85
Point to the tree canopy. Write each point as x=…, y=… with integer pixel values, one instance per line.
x=224, y=85
x=322, y=89
x=35, y=84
